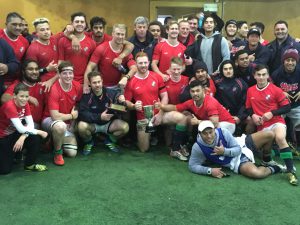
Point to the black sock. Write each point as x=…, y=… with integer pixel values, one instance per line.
x=286, y=155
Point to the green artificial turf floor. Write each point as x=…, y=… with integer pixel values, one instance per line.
x=136, y=188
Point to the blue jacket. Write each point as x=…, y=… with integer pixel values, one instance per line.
x=7, y=56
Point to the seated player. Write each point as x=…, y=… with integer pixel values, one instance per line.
x=218, y=146
x=14, y=136
x=94, y=116
x=60, y=113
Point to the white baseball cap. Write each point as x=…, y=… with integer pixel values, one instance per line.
x=205, y=124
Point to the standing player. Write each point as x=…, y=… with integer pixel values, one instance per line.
x=103, y=57
x=61, y=113
x=44, y=51
x=266, y=103
x=12, y=34
x=165, y=51
x=147, y=88
x=81, y=57
x=14, y=136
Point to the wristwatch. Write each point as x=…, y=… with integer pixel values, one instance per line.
x=209, y=171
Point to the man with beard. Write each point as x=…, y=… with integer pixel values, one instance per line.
x=244, y=68
x=25, y=32
x=80, y=58
x=12, y=35
x=200, y=73
x=282, y=42
x=258, y=53
x=145, y=89
x=165, y=51
x=95, y=117
x=44, y=51
x=30, y=78
x=287, y=77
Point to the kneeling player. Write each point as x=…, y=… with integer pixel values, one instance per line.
x=14, y=136
x=94, y=116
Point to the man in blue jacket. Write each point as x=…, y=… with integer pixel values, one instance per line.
x=8, y=62
x=217, y=145
x=95, y=117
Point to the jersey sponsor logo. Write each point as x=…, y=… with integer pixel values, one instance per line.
x=107, y=58
x=137, y=88
x=166, y=53
x=289, y=87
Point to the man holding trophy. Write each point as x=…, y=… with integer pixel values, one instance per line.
x=98, y=113
x=145, y=89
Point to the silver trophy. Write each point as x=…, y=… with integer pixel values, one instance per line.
x=149, y=113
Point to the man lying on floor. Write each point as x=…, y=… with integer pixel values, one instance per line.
x=217, y=145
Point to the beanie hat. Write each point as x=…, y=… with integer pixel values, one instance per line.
x=230, y=22
x=290, y=53
x=199, y=65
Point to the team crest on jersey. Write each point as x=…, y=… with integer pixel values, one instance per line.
x=86, y=49
x=179, y=55
x=234, y=89
x=41, y=91
x=54, y=48
x=153, y=84
x=268, y=97
x=21, y=49
x=21, y=114
x=74, y=98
